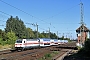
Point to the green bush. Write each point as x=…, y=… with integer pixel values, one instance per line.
x=48, y=55
x=2, y=42
x=55, y=52
x=86, y=49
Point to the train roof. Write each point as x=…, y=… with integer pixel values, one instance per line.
x=45, y=39
x=29, y=39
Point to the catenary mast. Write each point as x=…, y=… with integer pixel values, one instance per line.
x=82, y=25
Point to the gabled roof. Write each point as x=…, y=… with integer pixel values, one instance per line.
x=85, y=28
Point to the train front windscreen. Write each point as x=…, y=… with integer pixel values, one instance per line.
x=18, y=41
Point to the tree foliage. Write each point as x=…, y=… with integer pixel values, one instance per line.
x=17, y=26
x=85, y=50
x=46, y=35
x=2, y=35
x=29, y=33
x=41, y=35
x=87, y=46
x=53, y=35
x=11, y=37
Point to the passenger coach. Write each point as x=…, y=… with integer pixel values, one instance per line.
x=44, y=42
x=22, y=44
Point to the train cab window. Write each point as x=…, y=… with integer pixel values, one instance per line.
x=24, y=41
x=19, y=41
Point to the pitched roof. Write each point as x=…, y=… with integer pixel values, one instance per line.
x=85, y=28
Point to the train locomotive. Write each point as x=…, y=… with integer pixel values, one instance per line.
x=22, y=44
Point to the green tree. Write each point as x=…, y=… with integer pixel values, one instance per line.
x=29, y=33
x=45, y=35
x=35, y=34
x=53, y=35
x=41, y=35
x=17, y=26
x=85, y=50
x=0, y=33
x=1, y=42
x=11, y=37
x=2, y=37
x=87, y=47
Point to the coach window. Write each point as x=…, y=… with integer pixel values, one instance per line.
x=38, y=40
x=24, y=41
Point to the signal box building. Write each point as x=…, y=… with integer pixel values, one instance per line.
x=82, y=33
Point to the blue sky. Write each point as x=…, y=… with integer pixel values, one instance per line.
x=58, y=15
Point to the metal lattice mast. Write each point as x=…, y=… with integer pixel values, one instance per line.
x=82, y=25
x=81, y=13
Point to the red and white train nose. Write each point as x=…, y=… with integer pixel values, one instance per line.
x=18, y=45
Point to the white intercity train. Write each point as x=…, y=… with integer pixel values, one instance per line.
x=22, y=44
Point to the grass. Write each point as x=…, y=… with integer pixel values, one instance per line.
x=49, y=56
x=5, y=47
x=0, y=46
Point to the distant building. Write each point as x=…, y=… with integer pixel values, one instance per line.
x=82, y=34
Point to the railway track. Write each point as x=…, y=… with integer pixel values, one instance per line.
x=33, y=54
x=5, y=52
x=64, y=52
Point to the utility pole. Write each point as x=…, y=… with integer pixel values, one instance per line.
x=60, y=35
x=63, y=36
x=66, y=35
x=36, y=25
x=37, y=30
x=49, y=33
x=82, y=26
x=57, y=34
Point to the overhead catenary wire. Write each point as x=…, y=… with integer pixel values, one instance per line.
x=30, y=23
x=34, y=25
x=11, y=15
x=5, y=13
x=17, y=9
x=34, y=16
x=23, y=11
x=2, y=20
x=61, y=12
x=1, y=15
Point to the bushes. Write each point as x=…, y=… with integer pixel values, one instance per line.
x=86, y=49
x=2, y=42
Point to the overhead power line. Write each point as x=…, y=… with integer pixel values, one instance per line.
x=34, y=16
x=62, y=12
x=22, y=11
x=16, y=8
x=5, y=13
x=1, y=15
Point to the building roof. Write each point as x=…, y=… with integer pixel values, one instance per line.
x=85, y=29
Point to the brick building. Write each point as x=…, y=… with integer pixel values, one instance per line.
x=82, y=33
